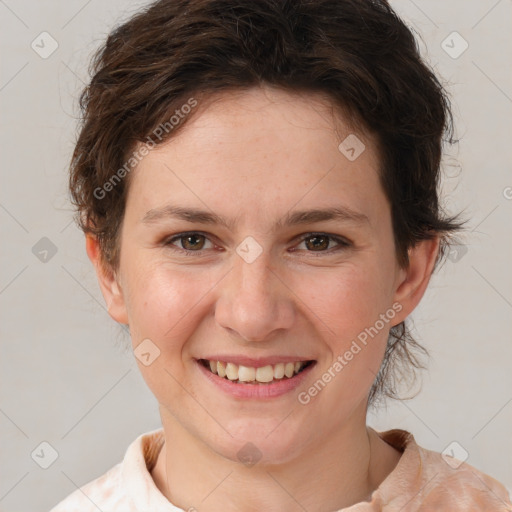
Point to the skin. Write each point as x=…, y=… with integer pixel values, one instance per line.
x=252, y=157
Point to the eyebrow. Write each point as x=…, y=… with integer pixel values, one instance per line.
x=290, y=219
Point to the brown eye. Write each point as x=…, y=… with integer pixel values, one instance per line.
x=320, y=242
x=317, y=242
x=188, y=243
x=191, y=242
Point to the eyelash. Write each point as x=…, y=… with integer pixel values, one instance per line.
x=343, y=243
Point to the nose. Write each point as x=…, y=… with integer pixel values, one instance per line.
x=254, y=302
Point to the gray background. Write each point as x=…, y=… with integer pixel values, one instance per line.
x=65, y=377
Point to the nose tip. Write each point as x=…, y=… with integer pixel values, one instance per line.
x=244, y=336
x=253, y=303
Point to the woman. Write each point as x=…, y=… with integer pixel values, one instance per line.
x=257, y=182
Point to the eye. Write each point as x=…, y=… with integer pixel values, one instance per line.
x=191, y=243
x=319, y=242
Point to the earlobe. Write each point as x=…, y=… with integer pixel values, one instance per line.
x=110, y=288
x=415, y=278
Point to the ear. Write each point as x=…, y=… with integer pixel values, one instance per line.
x=110, y=288
x=413, y=280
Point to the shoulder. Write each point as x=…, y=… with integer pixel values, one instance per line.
x=125, y=486
x=104, y=493
x=427, y=480
x=456, y=485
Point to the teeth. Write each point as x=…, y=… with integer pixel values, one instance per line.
x=289, y=368
x=232, y=371
x=263, y=374
x=221, y=369
x=279, y=371
x=246, y=374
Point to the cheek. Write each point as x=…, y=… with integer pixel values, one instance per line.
x=353, y=311
x=347, y=300
x=162, y=303
x=163, y=308
x=339, y=304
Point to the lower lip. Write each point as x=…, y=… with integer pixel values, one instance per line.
x=272, y=390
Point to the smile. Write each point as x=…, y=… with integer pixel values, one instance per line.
x=267, y=374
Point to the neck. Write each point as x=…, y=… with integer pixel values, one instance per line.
x=344, y=469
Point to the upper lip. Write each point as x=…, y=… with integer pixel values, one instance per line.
x=255, y=362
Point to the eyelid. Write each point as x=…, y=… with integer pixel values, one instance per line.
x=342, y=242
x=167, y=241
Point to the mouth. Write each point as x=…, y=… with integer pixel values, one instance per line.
x=255, y=376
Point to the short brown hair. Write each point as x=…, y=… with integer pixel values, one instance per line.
x=358, y=53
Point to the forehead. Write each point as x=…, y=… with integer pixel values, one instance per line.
x=261, y=150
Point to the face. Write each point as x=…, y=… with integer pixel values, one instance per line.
x=261, y=288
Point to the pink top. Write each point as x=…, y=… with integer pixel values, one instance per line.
x=422, y=480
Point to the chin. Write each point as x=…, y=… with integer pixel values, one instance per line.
x=263, y=442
